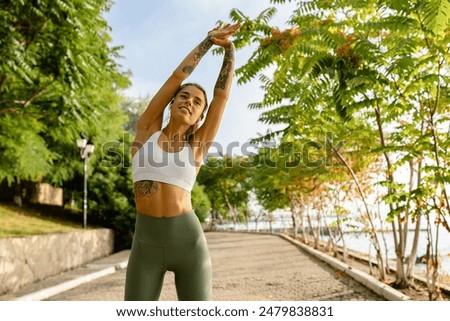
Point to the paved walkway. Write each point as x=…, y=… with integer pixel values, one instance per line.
x=247, y=267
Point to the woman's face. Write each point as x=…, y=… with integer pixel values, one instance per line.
x=189, y=104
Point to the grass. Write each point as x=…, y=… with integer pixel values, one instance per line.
x=17, y=222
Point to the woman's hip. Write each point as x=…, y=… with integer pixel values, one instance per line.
x=167, y=231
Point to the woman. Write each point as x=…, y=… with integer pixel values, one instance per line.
x=168, y=235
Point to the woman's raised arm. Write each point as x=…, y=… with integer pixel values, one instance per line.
x=207, y=132
x=153, y=115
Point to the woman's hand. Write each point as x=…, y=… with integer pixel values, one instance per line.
x=219, y=35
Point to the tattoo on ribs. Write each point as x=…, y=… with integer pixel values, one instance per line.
x=202, y=49
x=226, y=70
x=145, y=188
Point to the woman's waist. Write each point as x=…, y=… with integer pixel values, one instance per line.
x=167, y=231
x=166, y=201
x=162, y=210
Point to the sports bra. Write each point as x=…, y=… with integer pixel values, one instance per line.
x=151, y=162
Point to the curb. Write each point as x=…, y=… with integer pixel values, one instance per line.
x=51, y=291
x=365, y=279
x=122, y=265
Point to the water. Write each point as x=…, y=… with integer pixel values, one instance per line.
x=360, y=242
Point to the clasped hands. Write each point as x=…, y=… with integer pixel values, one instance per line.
x=220, y=35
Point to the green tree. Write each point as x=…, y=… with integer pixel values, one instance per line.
x=381, y=63
x=110, y=190
x=58, y=80
x=225, y=183
x=133, y=108
x=200, y=202
x=111, y=202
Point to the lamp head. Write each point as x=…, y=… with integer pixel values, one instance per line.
x=81, y=143
x=89, y=149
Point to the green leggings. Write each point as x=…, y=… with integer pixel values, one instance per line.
x=175, y=244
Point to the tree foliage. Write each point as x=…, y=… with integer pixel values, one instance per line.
x=200, y=202
x=374, y=74
x=225, y=180
x=58, y=80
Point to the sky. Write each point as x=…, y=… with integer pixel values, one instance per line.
x=156, y=35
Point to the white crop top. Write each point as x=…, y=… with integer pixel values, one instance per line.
x=151, y=162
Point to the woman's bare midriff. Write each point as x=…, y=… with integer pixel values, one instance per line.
x=160, y=199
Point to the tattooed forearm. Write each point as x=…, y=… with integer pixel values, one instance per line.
x=145, y=188
x=227, y=69
x=188, y=69
x=198, y=53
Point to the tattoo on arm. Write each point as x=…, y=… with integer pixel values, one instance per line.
x=188, y=69
x=226, y=70
x=145, y=188
x=199, y=52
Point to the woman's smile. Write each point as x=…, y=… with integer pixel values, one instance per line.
x=186, y=109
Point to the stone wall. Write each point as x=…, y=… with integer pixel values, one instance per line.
x=29, y=259
x=44, y=193
x=31, y=192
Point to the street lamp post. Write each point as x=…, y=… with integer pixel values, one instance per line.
x=85, y=151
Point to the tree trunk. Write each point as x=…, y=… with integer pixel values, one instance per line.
x=302, y=220
x=413, y=254
x=270, y=222
x=401, y=281
x=18, y=194
x=316, y=241
x=374, y=236
x=293, y=211
x=432, y=265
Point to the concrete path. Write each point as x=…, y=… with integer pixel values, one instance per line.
x=247, y=267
